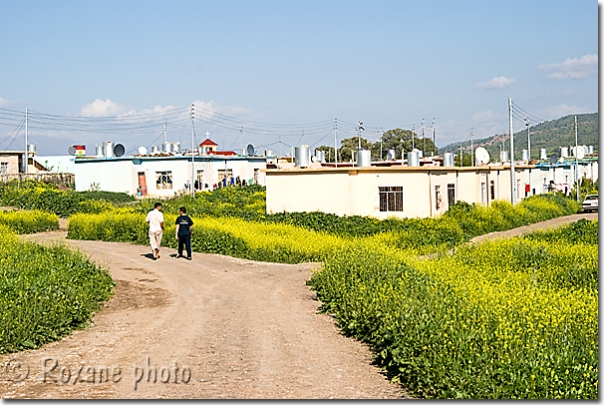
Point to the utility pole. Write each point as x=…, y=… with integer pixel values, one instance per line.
x=192, y=185
x=413, y=137
x=381, y=143
x=26, y=140
x=472, y=146
x=424, y=138
x=577, y=161
x=359, y=129
x=335, y=139
x=165, y=130
x=434, y=134
x=527, y=122
x=241, y=139
x=512, y=169
x=460, y=155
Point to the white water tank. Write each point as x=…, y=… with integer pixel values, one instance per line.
x=176, y=147
x=564, y=152
x=108, y=149
x=543, y=154
x=391, y=155
x=590, y=149
x=154, y=150
x=504, y=156
x=412, y=158
x=448, y=160
x=99, y=151
x=302, y=156
x=363, y=158
x=525, y=155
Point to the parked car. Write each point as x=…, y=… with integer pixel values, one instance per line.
x=590, y=203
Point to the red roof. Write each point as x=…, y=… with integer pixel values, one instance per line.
x=222, y=152
x=208, y=142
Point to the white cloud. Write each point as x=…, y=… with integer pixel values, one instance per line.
x=563, y=110
x=486, y=116
x=572, y=68
x=106, y=108
x=4, y=102
x=500, y=82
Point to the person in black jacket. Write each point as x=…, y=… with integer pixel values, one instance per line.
x=184, y=229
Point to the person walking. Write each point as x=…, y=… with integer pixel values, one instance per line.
x=155, y=219
x=184, y=230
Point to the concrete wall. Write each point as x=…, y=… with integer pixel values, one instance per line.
x=13, y=163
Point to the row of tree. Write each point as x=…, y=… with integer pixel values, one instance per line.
x=399, y=140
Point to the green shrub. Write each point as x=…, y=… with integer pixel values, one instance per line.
x=22, y=222
x=45, y=292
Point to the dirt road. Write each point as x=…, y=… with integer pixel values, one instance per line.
x=540, y=226
x=214, y=327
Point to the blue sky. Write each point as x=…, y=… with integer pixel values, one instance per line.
x=295, y=65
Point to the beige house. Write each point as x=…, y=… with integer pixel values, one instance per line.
x=11, y=162
x=396, y=191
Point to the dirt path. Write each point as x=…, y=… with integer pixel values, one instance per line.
x=235, y=328
x=552, y=223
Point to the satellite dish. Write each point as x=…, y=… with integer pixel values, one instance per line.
x=250, y=150
x=119, y=150
x=553, y=158
x=71, y=150
x=142, y=150
x=482, y=156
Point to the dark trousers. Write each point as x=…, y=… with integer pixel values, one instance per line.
x=184, y=240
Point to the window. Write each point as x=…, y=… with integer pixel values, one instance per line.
x=492, y=190
x=222, y=179
x=256, y=171
x=451, y=194
x=163, y=180
x=3, y=167
x=483, y=192
x=391, y=199
x=437, y=197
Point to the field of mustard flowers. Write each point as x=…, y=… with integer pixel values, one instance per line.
x=514, y=318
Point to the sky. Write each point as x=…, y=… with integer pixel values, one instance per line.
x=278, y=73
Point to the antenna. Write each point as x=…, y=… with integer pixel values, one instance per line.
x=165, y=131
x=424, y=138
x=434, y=132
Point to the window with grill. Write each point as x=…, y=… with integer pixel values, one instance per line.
x=163, y=180
x=3, y=167
x=391, y=199
x=451, y=193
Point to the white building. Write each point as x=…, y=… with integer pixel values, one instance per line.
x=165, y=176
x=407, y=191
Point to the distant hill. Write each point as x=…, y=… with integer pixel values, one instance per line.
x=550, y=135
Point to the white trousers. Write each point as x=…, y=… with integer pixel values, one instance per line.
x=155, y=239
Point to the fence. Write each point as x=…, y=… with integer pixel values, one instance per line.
x=60, y=179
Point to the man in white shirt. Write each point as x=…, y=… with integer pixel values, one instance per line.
x=156, y=229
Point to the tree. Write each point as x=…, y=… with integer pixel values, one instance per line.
x=330, y=155
x=349, y=146
x=402, y=141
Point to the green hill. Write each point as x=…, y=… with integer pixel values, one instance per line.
x=550, y=135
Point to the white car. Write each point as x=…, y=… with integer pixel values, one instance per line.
x=590, y=203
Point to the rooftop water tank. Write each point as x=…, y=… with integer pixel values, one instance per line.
x=543, y=154
x=564, y=152
x=108, y=149
x=302, y=156
x=525, y=155
x=363, y=158
x=504, y=156
x=448, y=160
x=100, y=152
x=413, y=158
x=391, y=155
